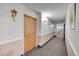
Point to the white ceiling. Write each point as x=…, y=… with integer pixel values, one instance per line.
x=54, y=11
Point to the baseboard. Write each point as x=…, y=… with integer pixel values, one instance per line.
x=39, y=46
x=21, y=55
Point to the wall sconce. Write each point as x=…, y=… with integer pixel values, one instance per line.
x=13, y=14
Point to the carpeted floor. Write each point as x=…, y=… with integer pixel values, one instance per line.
x=55, y=47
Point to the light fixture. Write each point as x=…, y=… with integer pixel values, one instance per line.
x=46, y=14
x=13, y=14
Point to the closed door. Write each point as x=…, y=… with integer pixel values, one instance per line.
x=29, y=33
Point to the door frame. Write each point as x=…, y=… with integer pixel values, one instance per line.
x=23, y=29
x=64, y=31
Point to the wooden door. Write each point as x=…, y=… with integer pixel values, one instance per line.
x=29, y=33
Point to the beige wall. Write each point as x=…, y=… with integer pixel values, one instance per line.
x=11, y=48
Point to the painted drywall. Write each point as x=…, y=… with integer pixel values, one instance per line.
x=47, y=29
x=11, y=48
x=12, y=31
x=38, y=29
x=72, y=36
x=45, y=26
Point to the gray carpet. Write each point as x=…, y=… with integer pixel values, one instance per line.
x=55, y=47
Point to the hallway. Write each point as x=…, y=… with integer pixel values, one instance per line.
x=25, y=26
x=55, y=47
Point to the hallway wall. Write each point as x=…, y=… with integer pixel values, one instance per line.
x=72, y=36
x=45, y=26
x=38, y=28
x=47, y=30
x=13, y=31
